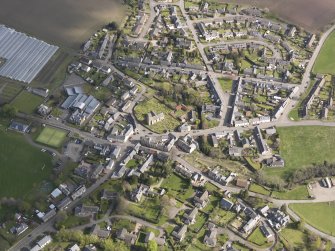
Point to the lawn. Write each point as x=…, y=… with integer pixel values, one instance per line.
x=51, y=136
x=258, y=238
x=297, y=193
x=226, y=84
x=325, y=61
x=178, y=187
x=319, y=215
x=148, y=210
x=167, y=124
x=259, y=189
x=23, y=167
x=301, y=146
x=27, y=102
x=293, y=237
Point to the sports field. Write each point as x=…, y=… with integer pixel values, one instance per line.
x=325, y=63
x=302, y=146
x=51, y=136
x=319, y=215
x=22, y=166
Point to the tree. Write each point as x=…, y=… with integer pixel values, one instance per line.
x=8, y=111
x=112, y=26
x=120, y=205
x=152, y=246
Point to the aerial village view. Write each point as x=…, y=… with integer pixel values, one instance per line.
x=184, y=125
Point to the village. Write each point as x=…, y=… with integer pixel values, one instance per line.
x=169, y=124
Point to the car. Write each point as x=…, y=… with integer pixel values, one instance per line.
x=43, y=150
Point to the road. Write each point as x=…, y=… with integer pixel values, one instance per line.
x=48, y=226
x=306, y=77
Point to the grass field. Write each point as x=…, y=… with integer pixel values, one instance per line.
x=168, y=123
x=324, y=62
x=302, y=146
x=23, y=167
x=258, y=238
x=297, y=193
x=8, y=90
x=226, y=84
x=52, y=137
x=259, y=189
x=319, y=215
x=293, y=237
x=178, y=187
x=27, y=102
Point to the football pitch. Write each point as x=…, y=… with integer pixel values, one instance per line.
x=52, y=137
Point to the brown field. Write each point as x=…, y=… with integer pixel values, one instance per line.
x=310, y=14
x=66, y=23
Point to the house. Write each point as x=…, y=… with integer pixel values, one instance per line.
x=226, y=204
x=201, y=200
x=85, y=211
x=47, y=216
x=214, y=141
x=189, y=218
x=64, y=203
x=55, y=193
x=108, y=195
x=42, y=243
x=242, y=183
x=275, y=161
x=101, y=233
x=251, y=224
x=235, y=151
x=74, y=247
x=20, y=228
x=185, y=128
x=265, y=231
x=261, y=144
x=149, y=237
x=153, y=118
x=19, y=127
x=78, y=192
x=43, y=110
x=187, y=144
x=210, y=237
x=136, y=195
x=277, y=219
x=122, y=234
x=179, y=234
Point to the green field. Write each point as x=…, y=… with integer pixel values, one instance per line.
x=293, y=237
x=178, y=187
x=226, y=84
x=258, y=238
x=27, y=102
x=168, y=123
x=325, y=62
x=259, y=189
x=23, y=167
x=9, y=90
x=297, y=193
x=51, y=136
x=301, y=146
x=319, y=215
